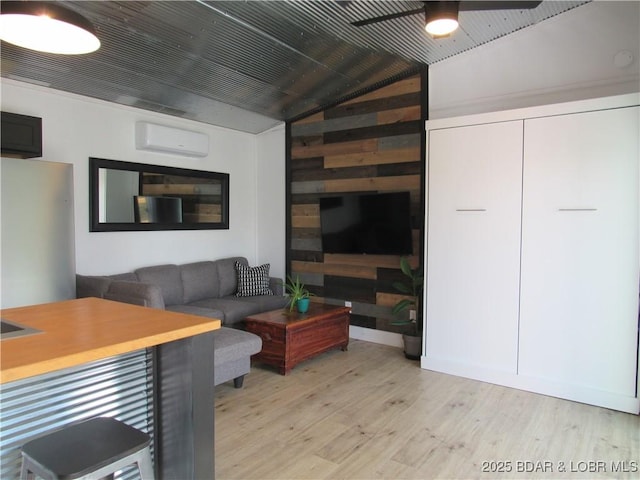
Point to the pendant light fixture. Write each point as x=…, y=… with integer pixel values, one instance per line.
x=46, y=27
x=441, y=18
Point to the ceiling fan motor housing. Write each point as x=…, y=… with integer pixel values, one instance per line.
x=441, y=18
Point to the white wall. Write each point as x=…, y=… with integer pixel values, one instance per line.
x=76, y=128
x=565, y=58
x=271, y=188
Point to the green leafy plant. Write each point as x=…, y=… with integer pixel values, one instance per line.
x=296, y=291
x=412, y=288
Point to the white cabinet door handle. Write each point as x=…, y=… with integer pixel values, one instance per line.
x=577, y=209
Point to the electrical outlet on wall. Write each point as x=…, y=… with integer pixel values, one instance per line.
x=412, y=314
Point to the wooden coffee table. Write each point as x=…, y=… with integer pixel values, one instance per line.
x=289, y=338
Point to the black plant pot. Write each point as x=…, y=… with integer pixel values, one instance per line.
x=412, y=346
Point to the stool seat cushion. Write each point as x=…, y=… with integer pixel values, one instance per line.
x=79, y=449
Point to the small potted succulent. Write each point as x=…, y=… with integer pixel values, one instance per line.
x=298, y=294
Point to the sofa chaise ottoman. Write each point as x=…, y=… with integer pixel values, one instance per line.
x=232, y=350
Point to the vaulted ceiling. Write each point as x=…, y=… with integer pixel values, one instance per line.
x=213, y=61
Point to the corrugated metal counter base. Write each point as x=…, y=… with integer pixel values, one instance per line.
x=119, y=387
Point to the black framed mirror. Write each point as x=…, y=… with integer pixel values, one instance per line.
x=126, y=196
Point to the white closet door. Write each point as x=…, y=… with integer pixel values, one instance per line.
x=473, y=247
x=579, y=304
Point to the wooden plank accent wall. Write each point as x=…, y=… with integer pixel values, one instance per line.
x=372, y=143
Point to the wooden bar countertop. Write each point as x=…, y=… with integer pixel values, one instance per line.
x=78, y=331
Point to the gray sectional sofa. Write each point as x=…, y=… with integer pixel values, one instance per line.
x=207, y=288
x=226, y=289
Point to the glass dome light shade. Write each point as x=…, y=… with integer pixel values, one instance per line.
x=46, y=27
x=441, y=26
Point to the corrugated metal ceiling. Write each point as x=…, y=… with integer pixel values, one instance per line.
x=278, y=59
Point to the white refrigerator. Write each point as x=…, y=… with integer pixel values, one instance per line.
x=37, y=232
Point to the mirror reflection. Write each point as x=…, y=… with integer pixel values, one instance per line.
x=133, y=196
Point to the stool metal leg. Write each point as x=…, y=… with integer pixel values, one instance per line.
x=30, y=470
x=142, y=457
x=25, y=473
x=145, y=465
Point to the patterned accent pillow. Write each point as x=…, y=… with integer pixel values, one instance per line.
x=253, y=281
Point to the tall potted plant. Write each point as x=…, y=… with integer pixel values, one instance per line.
x=412, y=288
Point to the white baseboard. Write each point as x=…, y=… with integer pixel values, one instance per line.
x=376, y=336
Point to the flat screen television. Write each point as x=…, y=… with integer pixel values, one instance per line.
x=374, y=224
x=148, y=209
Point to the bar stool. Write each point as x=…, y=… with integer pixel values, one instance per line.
x=91, y=449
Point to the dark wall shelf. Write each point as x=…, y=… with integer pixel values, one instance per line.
x=21, y=135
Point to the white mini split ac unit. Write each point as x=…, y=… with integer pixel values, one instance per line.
x=160, y=138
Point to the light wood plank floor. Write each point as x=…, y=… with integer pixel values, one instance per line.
x=369, y=413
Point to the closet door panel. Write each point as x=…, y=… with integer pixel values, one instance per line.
x=473, y=247
x=579, y=303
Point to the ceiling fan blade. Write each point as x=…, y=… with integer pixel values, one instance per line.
x=497, y=5
x=383, y=18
